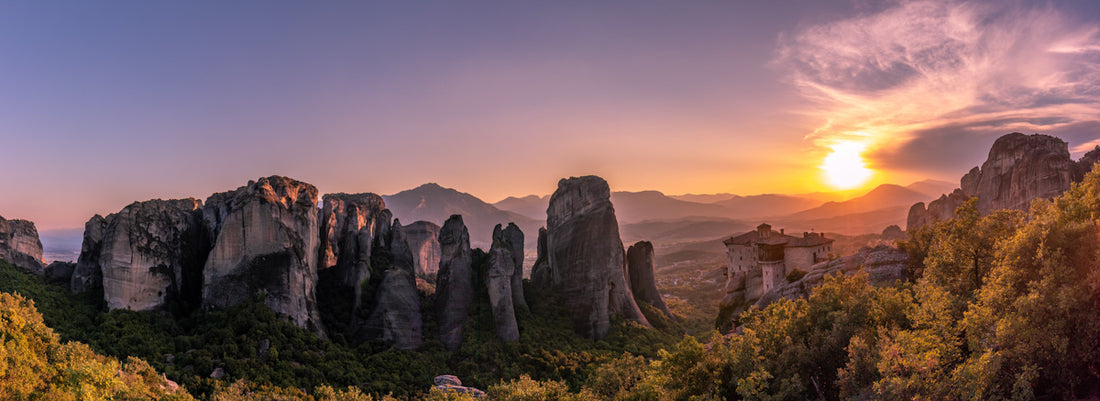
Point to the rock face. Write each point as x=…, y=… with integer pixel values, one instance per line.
x=1019, y=169
x=19, y=244
x=395, y=314
x=584, y=256
x=639, y=261
x=884, y=265
x=88, y=274
x=454, y=288
x=499, y=284
x=151, y=253
x=451, y=383
x=540, y=271
x=264, y=241
x=513, y=236
x=350, y=226
x=423, y=240
x=61, y=272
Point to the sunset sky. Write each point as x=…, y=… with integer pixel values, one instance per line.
x=105, y=103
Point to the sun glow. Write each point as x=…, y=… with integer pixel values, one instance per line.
x=844, y=167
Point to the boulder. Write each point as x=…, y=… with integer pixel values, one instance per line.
x=19, y=244
x=454, y=284
x=151, y=253
x=498, y=281
x=451, y=383
x=643, y=284
x=88, y=274
x=513, y=236
x=585, y=257
x=423, y=240
x=264, y=243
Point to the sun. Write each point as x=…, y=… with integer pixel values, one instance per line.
x=844, y=167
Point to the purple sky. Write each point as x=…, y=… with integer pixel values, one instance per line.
x=105, y=103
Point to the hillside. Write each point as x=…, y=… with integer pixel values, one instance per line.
x=882, y=197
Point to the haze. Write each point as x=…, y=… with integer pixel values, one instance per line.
x=102, y=104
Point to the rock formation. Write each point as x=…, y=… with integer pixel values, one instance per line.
x=350, y=224
x=88, y=274
x=540, y=271
x=454, y=289
x=395, y=314
x=265, y=242
x=643, y=284
x=60, y=272
x=19, y=244
x=152, y=252
x=585, y=258
x=1018, y=169
x=423, y=240
x=498, y=280
x=513, y=236
x=451, y=383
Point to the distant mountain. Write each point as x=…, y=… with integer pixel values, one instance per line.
x=868, y=222
x=669, y=232
x=434, y=203
x=633, y=207
x=760, y=206
x=703, y=198
x=532, y=206
x=882, y=197
x=933, y=188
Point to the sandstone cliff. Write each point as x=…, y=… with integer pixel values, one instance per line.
x=395, y=310
x=19, y=244
x=88, y=274
x=454, y=289
x=152, y=253
x=1018, y=169
x=423, y=240
x=643, y=283
x=265, y=242
x=351, y=226
x=498, y=281
x=585, y=258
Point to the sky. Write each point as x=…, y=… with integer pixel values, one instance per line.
x=106, y=103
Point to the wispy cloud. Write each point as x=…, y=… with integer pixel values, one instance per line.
x=923, y=75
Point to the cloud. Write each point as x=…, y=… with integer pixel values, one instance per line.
x=918, y=79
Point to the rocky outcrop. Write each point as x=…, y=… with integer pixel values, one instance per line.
x=498, y=281
x=88, y=274
x=151, y=253
x=451, y=383
x=350, y=224
x=265, y=242
x=19, y=244
x=884, y=265
x=513, y=236
x=395, y=312
x=60, y=272
x=585, y=258
x=395, y=316
x=643, y=284
x=423, y=240
x=454, y=284
x=540, y=271
x=1019, y=168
